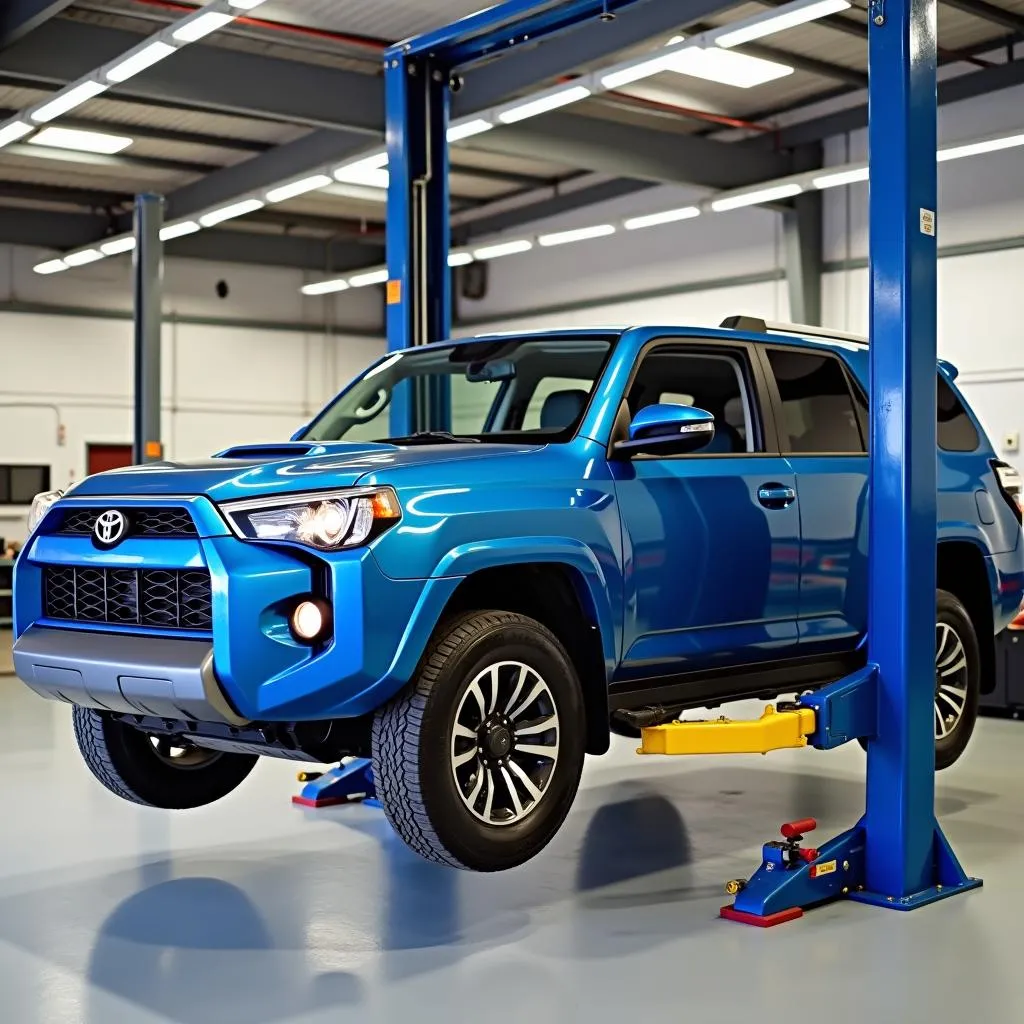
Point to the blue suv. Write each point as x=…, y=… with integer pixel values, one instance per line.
x=599, y=530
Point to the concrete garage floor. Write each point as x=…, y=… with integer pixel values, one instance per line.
x=253, y=911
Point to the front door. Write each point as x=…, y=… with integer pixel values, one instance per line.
x=712, y=539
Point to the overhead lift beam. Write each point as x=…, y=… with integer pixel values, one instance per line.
x=896, y=856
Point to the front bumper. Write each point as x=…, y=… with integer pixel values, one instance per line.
x=258, y=671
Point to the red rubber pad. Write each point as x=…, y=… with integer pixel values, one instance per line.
x=730, y=913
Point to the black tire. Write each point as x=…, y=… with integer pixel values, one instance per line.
x=415, y=739
x=950, y=613
x=127, y=762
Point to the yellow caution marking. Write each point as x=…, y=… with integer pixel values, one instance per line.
x=774, y=730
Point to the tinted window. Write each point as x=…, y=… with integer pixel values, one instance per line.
x=20, y=484
x=818, y=412
x=713, y=382
x=956, y=431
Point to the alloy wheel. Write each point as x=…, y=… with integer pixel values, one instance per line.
x=951, y=680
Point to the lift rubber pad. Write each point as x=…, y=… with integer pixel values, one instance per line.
x=730, y=913
x=330, y=801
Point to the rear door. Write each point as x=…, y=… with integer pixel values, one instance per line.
x=711, y=538
x=822, y=434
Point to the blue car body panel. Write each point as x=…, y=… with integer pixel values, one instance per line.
x=675, y=562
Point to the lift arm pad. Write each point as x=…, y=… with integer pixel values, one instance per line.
x=774, y=730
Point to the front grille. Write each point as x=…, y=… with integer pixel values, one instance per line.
x=142, y=522
x=165, y=598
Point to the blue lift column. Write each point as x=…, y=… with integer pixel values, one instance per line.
x=419, y=281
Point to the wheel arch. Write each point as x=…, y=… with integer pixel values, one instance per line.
x=963, y=572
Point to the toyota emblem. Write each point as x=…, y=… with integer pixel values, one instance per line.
x=110, y=528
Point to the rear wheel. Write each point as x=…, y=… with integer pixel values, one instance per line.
x=158, y=771
x=478, y=762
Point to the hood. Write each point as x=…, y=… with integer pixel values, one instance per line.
x=251, y=471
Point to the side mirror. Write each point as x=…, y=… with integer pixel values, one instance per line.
x=668, y=430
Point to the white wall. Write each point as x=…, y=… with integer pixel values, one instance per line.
x=221, y=384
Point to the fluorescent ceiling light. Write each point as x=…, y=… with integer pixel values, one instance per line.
x=227, y=212
x=763, y=195
x=541, y=105
x=974, y=148
x=492, y=252
x=297, y=188
x=186, y=227
x=650, y=220
x=65, y=101
x=780, y=22
x=244, y=5
x=84, y=142
x=196, y=28
x=12, y=132
x=50, y=267
x=323, y=287
x=367, y=193
x=79, y=259
x=576, y=235
x=728, y=68
x=372, y=277
x=371, y=170
x=642, y=69
x=144, y=58
x=118, y=245
x=459, y=259
x=468, y=128
x=841, y=178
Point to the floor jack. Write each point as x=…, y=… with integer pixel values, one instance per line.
x=351, y=782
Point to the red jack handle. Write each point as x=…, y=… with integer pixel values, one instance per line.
x=795, y=829
x=807, y=854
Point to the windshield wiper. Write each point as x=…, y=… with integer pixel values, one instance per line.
x=433, y=435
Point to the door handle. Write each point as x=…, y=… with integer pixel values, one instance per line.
x=775, y=495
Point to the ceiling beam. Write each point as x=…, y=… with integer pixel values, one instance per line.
x=206, y=77
x=631, y=151
x=59, y=230
x=989, y=12
x=19, y=17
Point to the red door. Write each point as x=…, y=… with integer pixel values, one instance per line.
x=101, y=457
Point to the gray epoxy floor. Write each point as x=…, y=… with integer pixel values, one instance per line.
x=255, y=911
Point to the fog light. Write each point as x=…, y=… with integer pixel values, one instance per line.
x=311, y=620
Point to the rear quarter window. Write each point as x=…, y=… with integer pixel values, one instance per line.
x=955, y=430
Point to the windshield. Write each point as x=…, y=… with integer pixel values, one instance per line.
x=506, y=389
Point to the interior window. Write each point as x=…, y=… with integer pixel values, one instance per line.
x=713, y=382
x=956, y=431
x=556, y=403
x=818, y=412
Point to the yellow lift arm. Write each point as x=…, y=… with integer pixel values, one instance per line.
x=774, y=730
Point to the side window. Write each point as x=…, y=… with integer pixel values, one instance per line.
x=818, y=412
x=956, y=431
x=715, y=382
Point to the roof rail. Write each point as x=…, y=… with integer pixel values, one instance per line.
x=759, y=326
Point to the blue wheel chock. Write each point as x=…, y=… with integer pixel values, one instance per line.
x=351, y=782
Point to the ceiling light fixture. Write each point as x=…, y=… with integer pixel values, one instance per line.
x=468, y=128
x=244, y=5
x=840, y=178
x=780, y=22
x=50, y=267
x=228, y=212
x=297, y=188
x=185, y=227
x=542, y=104
x=643, y=69
x=371, y=170
x=365, y=193
x=12, y=132
x=459, y=259
x=492, y=252
x=761, y=195
x=82, y=141
x=984, y=146
x=371, y=277
x=118, y=245
x=195, y=28
x=325, y=287
x=728, y=68
x=576, y=235
x=139, y=61
x=65, y=101
x=650, y=220
x=83, y=256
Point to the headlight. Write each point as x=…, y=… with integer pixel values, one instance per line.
x=329, y=521
x=41, y=504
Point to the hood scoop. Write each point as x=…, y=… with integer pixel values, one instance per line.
x=264, y=452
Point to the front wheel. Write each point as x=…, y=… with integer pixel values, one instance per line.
x=478, y=761
x=157, y=771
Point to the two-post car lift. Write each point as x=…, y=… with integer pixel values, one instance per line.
x=896, y=855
